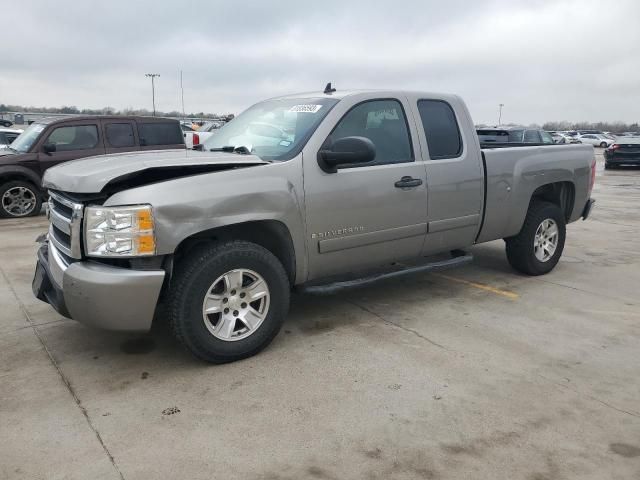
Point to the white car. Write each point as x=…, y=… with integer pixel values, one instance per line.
x=8, y=135
x=596, y=140
x=563, y=138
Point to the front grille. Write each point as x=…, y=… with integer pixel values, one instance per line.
x=65, y=217
x=56, y=203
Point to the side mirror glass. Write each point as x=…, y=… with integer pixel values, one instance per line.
x=49, y=148
x=346, y=151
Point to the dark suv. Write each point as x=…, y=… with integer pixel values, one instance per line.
x=49, y=142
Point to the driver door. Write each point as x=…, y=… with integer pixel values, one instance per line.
x=76, y=140
x=370, y=214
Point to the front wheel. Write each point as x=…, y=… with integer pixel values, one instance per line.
x=19, y=199
x=536, y=250
x=603, y=145
x=228, y=301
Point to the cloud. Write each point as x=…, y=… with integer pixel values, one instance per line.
x=543, y=59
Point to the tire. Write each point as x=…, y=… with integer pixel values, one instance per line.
x=521, y=249
x=196, y=277
x=603, y=145
x=607, y=166
x=24, y=192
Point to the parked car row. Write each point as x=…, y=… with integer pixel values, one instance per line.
x=514, y=135
x=619, y=150
x=49, y=142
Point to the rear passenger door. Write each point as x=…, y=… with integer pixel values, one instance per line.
x=120, y=136
x=455, y=187
x=160, y=135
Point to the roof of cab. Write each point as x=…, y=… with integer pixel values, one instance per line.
x=340, y=94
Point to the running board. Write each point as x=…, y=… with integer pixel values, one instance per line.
x=458, y=258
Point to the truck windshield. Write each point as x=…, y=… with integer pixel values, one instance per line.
x=273, y=129
x=27, y=138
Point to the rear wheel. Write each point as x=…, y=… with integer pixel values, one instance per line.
x=228, y=301
x=536, y=250
x=19, y=199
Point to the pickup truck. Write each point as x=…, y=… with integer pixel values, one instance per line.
x=51, y=141
x=343, y=183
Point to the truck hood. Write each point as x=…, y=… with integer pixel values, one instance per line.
x=120, y=171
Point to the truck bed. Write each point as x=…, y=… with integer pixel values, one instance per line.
x=512, y=175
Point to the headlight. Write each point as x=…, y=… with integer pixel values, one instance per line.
x=119, y=231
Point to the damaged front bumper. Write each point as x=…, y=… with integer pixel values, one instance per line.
x=98, y=295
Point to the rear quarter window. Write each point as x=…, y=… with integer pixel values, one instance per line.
x=160, y=133
x=440, y=128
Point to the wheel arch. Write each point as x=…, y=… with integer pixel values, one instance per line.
x=12, y=173
x=270, y=234
x=562, y=194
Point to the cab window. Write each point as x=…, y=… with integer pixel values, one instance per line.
x=119, y=134
x=440, y=129
x=384, y=123
x=76, y=137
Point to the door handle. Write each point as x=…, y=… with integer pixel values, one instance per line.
x=408, y=182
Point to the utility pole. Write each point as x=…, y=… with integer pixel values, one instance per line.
x=500, y=114
x=153, y=89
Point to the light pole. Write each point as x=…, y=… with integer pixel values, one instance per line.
x=500, y=114
x=153, y=89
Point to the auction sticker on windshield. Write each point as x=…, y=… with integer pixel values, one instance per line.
x=305, y=108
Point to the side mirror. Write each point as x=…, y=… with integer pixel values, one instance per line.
x=49, y=148
x=345, y=151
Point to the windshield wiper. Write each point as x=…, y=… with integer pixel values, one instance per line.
x=242, y=150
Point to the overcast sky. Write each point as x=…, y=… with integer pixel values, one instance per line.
x=545, y=60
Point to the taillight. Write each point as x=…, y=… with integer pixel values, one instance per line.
x=593, y=175
x=196, y=139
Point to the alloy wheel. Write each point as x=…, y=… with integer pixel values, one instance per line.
x=546, y=240
x=236, y=304
x=19, y=201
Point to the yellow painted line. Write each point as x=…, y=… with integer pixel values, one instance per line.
x=481, y=286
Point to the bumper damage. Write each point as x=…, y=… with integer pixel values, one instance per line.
x=102, y=296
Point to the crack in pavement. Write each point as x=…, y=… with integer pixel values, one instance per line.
x=62, y=376
x=590, y=397
x=397, y=325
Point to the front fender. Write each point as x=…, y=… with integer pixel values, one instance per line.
x=6, y=170
x=186, y=206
